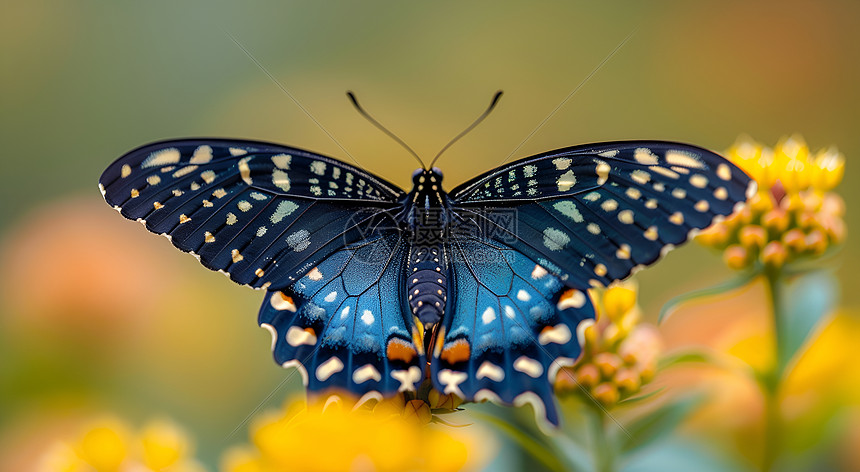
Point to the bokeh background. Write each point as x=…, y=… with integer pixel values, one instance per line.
x=97, y=315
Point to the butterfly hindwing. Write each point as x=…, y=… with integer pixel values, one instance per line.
x=262, y=213
x=595, y=213
x=506, y=332
x=344, y=326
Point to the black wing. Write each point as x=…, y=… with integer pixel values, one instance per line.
x=262, y=213
x=593, y=214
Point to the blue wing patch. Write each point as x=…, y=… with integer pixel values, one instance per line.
x=506, y=333
x=344, y=326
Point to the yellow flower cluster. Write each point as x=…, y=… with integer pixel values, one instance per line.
x=619, y=354
x=794, y=213
x=392, y=435
x=108, y=445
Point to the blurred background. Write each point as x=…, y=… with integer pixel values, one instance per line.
x=97, y=315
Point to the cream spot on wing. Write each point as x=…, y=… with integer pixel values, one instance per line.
x=299, y=241
x=208, y=176
x=258, y=196
x=568, y=209
x=529, y=170
x=284, y=209
x=202, y=155
x=538, y=272
x=318, y=167
x=157, y=205
x=259, y=272
x=329, y=368
x=315, y=274
x=207, y=237
x=234, y=151
x=645, y=156
x=162, y=157
x=184, y=171
x=245, y=170
x=721, y=193
x=623, y=252
x=640, y=176
x=489, y=315
x=592, y=196
x=609, y=205
x=490, y=371
x=219, y=193
x=528, y=366
x=679, y=193
x=281, y=180
x=523, y=296
x=331, y=296
x=625, y=216
x=665, y=172
x=125, y=171
x=602, y=170
x=207, y=203
x=600, y=270
x=610, y=153
x=184, y=219
x=261, y=231
x=572, y=299
x=367, y=317
x=724, y=172
x=365, y=373
x=297, y=337
x=702, y=206
x=559, y=334
x=651, y=203
x=633, y=193
x=236, y=256
x=281, y=302
x=651, y=233
x=408, y=378
x=566, y=181
x=555, y=240
x=683, y=158
x=677, y=218
x=593, y=228
x=282, y=161
x=562, y=163
x=153, y=180
x=452, y=380
x=231, y=219
x=244, y=205
x=698, y=181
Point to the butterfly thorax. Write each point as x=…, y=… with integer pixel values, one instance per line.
x=426, y=218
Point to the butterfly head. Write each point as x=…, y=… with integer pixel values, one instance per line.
x=427, y=178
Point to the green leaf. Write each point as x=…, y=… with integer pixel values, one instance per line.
x=657, y=424
x=806, y=300
x=541, y=451
x=684, y=357
x=640, y=398
x=728, y=286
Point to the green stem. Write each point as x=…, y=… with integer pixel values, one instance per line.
x=603, y=454
x=772, y=381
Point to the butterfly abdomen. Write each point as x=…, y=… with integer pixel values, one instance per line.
x=427, y=283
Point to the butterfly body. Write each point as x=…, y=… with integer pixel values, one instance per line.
x=371, y=289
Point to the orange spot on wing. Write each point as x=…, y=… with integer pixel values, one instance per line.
x=400, y=350
x=456, y=351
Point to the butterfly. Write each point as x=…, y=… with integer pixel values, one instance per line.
x=371, y=289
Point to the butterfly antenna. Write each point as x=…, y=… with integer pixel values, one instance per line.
x=382, y=128
x=496, y=98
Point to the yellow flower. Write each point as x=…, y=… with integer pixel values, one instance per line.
x=108, y=445
x=619, y=354
x=793, y=215
x=332, y=434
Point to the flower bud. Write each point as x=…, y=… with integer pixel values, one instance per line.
x=827, y=169
x=618, y=300
x=833, y=204
x=606, y=393
x=795, y=239
x=628, y=381
x=608, y=363
x=588, y=375
x=715, y=236
x=443, y=401
x=736, y=257
x=774, y=254
x=816, y=241
x=775, y=220
x=753, y=237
